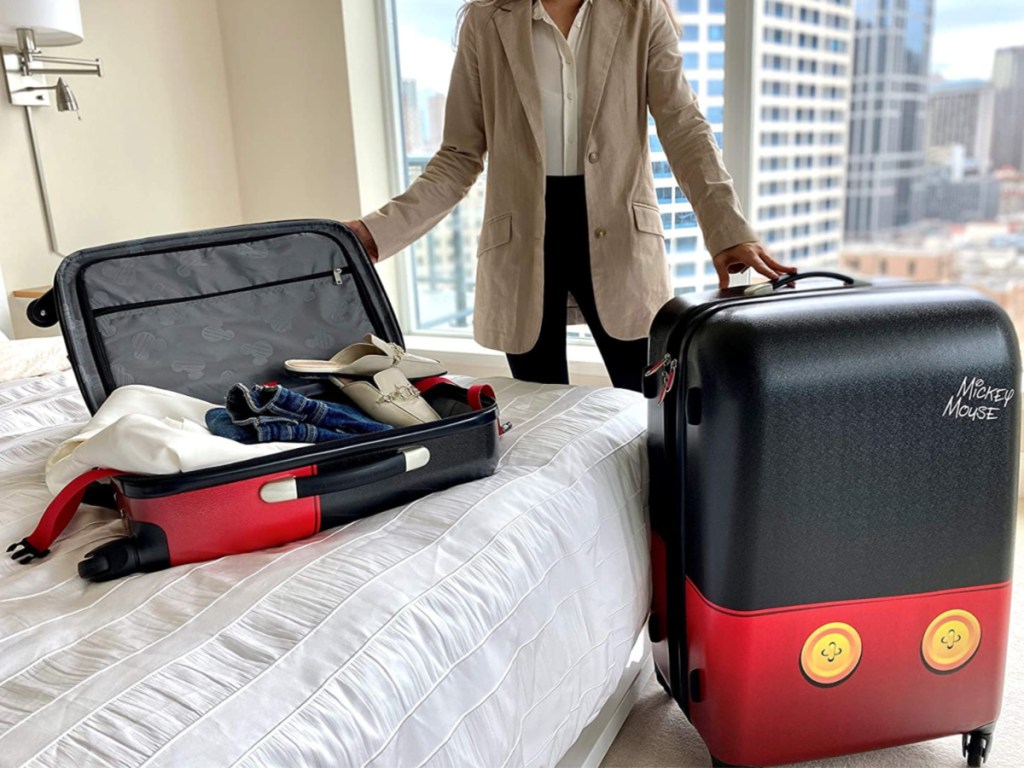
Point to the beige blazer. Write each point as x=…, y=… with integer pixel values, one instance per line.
x=493, y=112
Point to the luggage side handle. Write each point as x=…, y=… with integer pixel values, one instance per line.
x=770, y=287
x=289, y=489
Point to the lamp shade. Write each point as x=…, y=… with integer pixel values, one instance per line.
x=55, y=22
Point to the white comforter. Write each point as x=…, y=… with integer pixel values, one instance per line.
x=481, y=626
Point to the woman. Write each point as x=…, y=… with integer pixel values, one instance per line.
x=555, y=93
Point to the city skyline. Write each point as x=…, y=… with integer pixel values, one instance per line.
x=966, y=36
x=799, y=103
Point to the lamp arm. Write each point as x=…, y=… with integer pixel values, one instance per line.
x=87, y=66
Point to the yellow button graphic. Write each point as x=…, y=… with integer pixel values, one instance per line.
x=951, y=640
x=831, y=654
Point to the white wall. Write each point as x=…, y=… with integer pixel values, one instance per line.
x=285, y=65
x=153, y=153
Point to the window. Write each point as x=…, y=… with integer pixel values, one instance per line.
x=685, y=219
x=843, y=108
x=686, y=269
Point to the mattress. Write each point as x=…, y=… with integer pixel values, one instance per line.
x=484, y=625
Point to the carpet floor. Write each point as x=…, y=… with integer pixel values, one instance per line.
x=658, y=734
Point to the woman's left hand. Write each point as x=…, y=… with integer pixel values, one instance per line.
x=740, y=257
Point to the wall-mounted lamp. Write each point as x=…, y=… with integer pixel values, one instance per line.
x=24, y=26
x=27, y=24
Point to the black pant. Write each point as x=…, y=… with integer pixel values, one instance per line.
x=567, y=270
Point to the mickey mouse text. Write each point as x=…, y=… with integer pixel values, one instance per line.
x=976, y=401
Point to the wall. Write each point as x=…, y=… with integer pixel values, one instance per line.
x=285, y=65
x=153, y=153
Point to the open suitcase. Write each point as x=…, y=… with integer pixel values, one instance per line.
x=833, y=497
x=196, y=312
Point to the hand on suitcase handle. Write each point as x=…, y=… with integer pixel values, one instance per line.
x=788, y=281
x=402, y=461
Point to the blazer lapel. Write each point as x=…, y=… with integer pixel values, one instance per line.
x=605, y=24
x=515, y=28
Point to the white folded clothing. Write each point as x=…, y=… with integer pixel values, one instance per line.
x=146, y=430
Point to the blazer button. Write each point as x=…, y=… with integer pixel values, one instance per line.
x=599, y=233
x=593, y=157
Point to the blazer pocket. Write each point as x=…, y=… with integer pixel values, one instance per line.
x=647, y=218
x=496, y=231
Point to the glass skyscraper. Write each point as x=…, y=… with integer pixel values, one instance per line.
x=887, y=129
x=799, y=94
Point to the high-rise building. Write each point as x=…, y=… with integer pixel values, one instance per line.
x=800, y=98
x=1008, y=126
x=961, y=113
x=887, y=116
x=445, y=258
x=411, y=119
x=799, y=95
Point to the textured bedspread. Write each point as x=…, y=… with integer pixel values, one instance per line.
x=485, y=625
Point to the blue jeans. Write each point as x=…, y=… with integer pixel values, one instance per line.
x=265, y=414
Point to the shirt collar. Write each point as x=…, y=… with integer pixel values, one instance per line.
x=540, y=12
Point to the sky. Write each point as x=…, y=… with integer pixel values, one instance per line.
x=968, y=32
x=966, y=36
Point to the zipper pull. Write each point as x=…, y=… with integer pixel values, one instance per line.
x=666, y=360
x=668, y=380
x=339, y=276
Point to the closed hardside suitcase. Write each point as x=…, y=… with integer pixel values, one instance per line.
x=197, y=312
x=833, y=501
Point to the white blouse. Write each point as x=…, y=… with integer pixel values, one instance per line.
x=561, y=73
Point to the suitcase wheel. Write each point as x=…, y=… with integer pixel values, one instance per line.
x=977, y=744
x=42, y=312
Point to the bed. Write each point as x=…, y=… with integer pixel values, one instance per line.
x=486, y=625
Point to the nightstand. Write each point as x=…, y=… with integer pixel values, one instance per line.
x=23, y=327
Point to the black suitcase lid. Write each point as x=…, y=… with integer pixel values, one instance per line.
x=836, y=443
x=196, y=312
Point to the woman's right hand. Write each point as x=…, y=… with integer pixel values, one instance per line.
x=365, y=237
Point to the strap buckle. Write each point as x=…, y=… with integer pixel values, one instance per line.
x=24, y=552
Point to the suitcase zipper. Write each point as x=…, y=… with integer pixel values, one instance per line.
x=667, y=366
x=337, y=274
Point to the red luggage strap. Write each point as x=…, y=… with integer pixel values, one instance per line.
x=56, y=517
x=475, y=396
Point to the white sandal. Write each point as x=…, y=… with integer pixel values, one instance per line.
x=390, y=398
x=368, y=358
